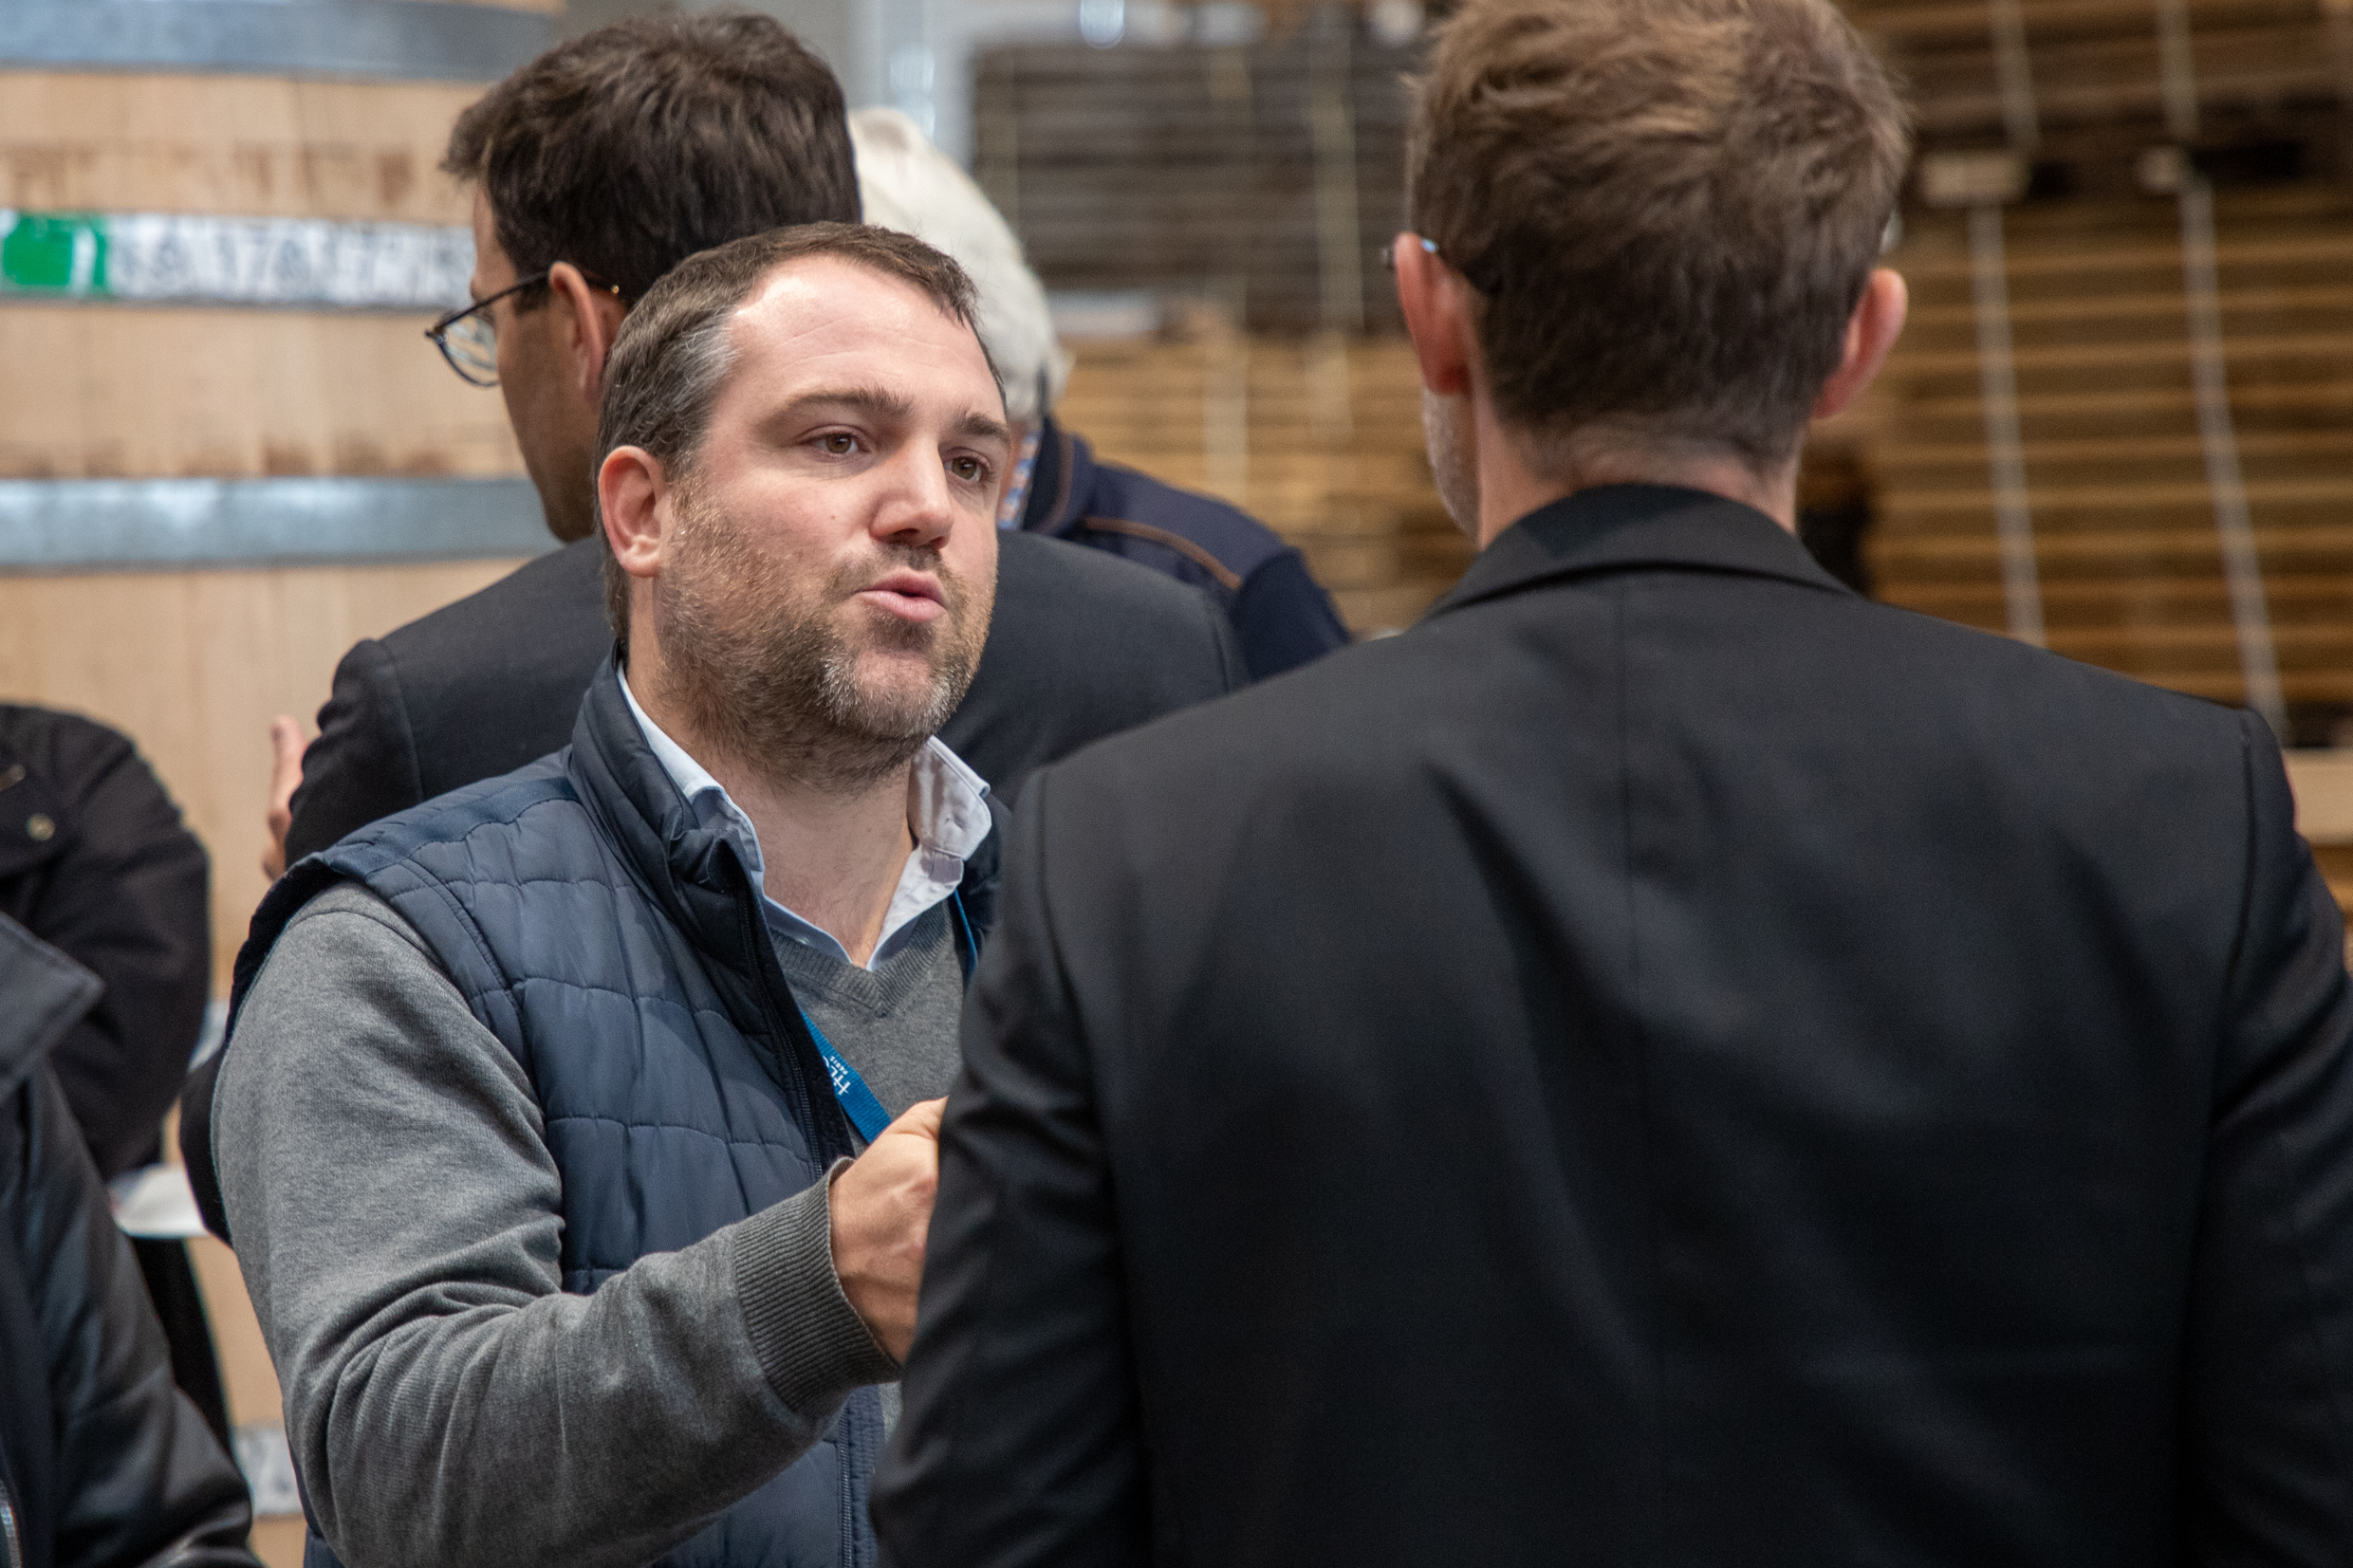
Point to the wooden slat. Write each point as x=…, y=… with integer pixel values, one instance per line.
x=2275, y=346
x=121, y=392
x=2333, y=444
x=2143, y=310
x=2105, y=262
x=2324, y=784
x=238, y=146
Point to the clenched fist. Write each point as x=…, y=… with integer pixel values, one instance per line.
x=882, y=1206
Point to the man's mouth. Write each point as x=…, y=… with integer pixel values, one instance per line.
x=909, y=595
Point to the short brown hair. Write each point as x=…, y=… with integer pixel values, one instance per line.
x=630, y=148
x=674, y=350
x=1669, y=208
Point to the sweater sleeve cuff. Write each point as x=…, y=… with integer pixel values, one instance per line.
x=811, y=1342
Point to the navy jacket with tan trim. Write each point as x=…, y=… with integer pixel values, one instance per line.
x=1281, y=616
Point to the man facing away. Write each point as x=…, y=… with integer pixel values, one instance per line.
x=537, y=1107
x=596, y=169
x=1667, y=1061
x=1282, y=617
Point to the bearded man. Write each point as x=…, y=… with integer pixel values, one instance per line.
x=556, y=1124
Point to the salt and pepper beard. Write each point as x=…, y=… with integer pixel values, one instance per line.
x=766, y=672
x=1453, y=463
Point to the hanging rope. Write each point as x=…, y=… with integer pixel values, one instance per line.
x=2006, y=458
x=1331, y=124
x=1997, y=377
x=2226, y=481
x=2014, y=76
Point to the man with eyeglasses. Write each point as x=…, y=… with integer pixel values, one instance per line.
x=596, y=169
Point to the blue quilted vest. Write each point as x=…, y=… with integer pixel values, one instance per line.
x=618, y=951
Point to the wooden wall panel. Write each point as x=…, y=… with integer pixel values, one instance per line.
x=118, y=391
x=253, y=146
x=193, y=666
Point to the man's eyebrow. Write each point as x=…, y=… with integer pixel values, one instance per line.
x=869, y=400
x=877, y=403
x=980, y=427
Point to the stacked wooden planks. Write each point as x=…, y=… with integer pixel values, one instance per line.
x=1259, y=183
x=2266, y=78
x=2121, y=509
x=1320, y=437
x=1266, y=177
x=2121, y=477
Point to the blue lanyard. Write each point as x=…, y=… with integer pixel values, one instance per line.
x=858, y=1102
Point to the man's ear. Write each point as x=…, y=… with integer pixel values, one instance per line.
x=1436, y=317
x=1871, y=331
x=593, y=317
x=631, y=496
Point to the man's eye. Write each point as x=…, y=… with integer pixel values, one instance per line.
x=971, y=470
x=841, y=443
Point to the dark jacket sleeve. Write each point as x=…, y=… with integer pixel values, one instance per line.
x=363, y=766
x=131, y=1477
x=125, y=897
x=1019, y=1441
x=2268, y=1399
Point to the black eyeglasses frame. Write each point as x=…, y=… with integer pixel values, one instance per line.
x=439, y=331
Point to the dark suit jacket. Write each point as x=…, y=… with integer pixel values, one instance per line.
x=1082, y=646
x=1665, y=1063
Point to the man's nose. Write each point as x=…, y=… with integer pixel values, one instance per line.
x=918, y=507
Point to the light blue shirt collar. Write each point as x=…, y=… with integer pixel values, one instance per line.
x=947, y=809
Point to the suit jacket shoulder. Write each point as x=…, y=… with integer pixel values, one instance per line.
x=476, y=688
x=1769, y=1041
x=1083, y=645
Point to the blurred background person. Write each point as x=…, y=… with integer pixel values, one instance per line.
x=595, y=170
x=1059, y=487
x=103, y=1462
x=96, y=861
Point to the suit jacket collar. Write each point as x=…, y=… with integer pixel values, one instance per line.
x=1617, y=528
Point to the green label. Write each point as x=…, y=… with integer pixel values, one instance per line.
x=200, y=258
x=53, y=252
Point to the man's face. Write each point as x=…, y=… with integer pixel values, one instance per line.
x=823, y=602
x=554, y=424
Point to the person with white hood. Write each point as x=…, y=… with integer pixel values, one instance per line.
x=1281, y=616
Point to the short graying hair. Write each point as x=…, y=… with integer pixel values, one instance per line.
x=675, y=350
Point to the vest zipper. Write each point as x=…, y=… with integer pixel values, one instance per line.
x=780, y=1023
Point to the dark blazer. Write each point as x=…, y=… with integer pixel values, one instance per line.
x=95, y=861
x=1281, y=615
x=1665, y=1063
x=1082, y=646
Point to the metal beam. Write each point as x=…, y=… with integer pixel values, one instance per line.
x=54, y=525
x=414, y=39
